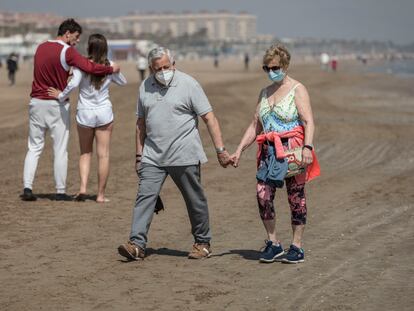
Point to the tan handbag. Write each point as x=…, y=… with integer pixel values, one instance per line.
x=294, y=159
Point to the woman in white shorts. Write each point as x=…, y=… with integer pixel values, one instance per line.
x=94, y=115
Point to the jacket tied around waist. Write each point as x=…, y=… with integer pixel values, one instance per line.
x=295, y=138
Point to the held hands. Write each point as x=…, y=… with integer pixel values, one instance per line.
x=235, y=158
x=52, y=92
x=224, y=158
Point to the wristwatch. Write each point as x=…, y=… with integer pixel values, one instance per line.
x=220, y=149
x=310, y=147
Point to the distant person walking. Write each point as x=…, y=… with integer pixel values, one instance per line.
x=52, y=62
x=334, y=64
x=324, y=58
x=246, y=61
x=94, y=115
x=168, y=143
x=142, y=66
x=216, y=60
x=12, y=67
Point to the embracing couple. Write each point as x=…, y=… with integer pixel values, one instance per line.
x=168, y=144
x=49, y=108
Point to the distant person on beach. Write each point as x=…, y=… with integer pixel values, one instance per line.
x=283, y=120
x=94, y=116
x=142, y=65
x=52, y=62
x=216, y=60
x=168, y=143
x=363, y=59
x=334, y=64
x=324, y=58
x=12, y=67
x=246, y=61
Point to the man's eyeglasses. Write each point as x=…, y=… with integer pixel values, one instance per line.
x=273, y=68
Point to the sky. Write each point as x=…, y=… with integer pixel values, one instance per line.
x=381, y=20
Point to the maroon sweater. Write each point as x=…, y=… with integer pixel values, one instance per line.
x=52, y=62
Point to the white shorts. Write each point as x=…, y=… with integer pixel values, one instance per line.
x=94, y=117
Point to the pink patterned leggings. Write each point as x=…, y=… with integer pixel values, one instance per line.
x=296, y=198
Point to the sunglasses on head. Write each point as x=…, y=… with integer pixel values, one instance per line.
x=273, y=68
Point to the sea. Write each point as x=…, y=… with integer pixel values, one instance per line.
x=399, y=67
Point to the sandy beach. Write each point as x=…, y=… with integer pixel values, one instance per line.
x=358, y=243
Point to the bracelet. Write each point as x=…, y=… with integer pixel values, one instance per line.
x=138, y=155
x=310, y=147
x=220, y=150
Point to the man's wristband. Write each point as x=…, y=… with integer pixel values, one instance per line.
x=310, y=147
x=138, y=155
x=220, y=150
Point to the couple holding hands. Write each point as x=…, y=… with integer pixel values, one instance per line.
x=168, y=143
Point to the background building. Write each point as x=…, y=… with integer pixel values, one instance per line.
x=20, y=23
x=222, y=26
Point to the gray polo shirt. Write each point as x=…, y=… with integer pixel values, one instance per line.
x=171, y=119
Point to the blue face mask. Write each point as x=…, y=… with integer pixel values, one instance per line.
x=276, y=76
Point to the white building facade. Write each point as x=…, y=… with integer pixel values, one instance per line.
x=222, y=26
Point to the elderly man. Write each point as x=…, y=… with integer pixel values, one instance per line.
x=168, y=143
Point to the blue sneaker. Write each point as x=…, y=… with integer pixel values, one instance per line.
x=294, y=255
x=271, y=252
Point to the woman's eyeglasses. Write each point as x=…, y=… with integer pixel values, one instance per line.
x=274, y=68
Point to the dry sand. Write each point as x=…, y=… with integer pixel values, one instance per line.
x=358, y=242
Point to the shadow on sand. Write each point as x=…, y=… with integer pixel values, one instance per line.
x=65, y=197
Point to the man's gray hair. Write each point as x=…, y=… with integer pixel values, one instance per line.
x=158, y=53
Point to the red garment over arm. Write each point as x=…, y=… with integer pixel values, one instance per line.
x=73, y=58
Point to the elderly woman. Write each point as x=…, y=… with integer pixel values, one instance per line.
x=283, y=120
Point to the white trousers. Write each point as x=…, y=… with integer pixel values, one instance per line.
x=47, y=115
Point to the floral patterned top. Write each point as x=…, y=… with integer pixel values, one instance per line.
x=282, y=116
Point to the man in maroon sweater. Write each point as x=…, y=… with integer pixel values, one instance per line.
x=52, y=63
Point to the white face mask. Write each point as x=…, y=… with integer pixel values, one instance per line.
x=164, y=76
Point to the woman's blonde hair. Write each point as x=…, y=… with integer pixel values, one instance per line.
x=277, y=50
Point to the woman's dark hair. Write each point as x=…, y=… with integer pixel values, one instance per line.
x=98, y=53
x=69, y=25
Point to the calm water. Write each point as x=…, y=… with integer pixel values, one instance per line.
x=401, y=68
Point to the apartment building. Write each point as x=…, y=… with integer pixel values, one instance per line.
x=36, y=20
x=222, y=26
